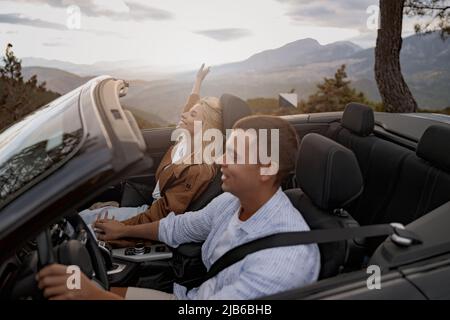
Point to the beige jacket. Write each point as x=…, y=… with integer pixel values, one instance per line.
x=180, y=185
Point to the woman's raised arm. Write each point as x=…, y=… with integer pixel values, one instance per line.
x=201, y=75
x=195, y=94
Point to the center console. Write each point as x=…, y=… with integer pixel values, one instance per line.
x=142, y=253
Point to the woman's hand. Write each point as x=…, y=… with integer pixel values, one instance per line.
x=59, y=283
x=108, y=229
x=201, y=75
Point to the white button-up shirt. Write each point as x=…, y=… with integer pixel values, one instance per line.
x=259, y=274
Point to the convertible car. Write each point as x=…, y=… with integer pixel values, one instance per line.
x=84, y=147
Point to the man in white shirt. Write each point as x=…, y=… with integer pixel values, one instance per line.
x=251, y=207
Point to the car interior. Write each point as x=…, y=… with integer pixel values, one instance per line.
x=376, y=179
x=351, y=171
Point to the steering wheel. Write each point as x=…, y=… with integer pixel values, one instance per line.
x=45, y=252
x=73, y=252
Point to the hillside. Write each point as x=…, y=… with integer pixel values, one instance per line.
x=299, y=65
x=425, y=63
x=122, y=69
x=298, y=53
x=18, y=99
x=56, y=80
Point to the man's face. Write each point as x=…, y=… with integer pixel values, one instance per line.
x=240, y=174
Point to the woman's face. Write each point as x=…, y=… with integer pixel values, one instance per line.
x=188, y=118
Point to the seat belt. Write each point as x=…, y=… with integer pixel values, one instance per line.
x=398, y=234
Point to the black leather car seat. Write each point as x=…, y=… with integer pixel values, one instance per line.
x=233, y=109
x=329, y=178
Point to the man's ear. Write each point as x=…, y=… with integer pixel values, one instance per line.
x=270, y=169
x=265, y=173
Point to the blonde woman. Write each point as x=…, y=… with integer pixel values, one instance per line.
x=178, y=182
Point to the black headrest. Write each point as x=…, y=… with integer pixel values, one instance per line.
x=434, y=146
x=327, y=172
x=233, y=109
x=358, y=118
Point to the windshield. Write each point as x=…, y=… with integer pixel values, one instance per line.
x=34, y=146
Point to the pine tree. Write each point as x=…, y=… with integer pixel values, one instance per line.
x=17, y=97
x=394, y=90
x=12, y=68
x=333, y=94
x=32, y=81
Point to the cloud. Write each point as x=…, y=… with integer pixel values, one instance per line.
x=20, y=19
x=365, y=40
x=116, y=10
x=224, y=34
x=54, y=44
x=329, y=13
x=105, y=33
x=141, y=12
x=15, y=18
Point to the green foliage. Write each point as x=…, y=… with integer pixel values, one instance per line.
x=263, y=105
x=333, y=94
x=17, y=97
x=437, y=11
x=270, y=106
x=12, y=68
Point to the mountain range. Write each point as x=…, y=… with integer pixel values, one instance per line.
x=298, y=65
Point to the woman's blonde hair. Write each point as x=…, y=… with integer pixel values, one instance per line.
x=212, y=113
x=211, y=116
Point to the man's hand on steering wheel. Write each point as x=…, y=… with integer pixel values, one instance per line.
x=53, y=280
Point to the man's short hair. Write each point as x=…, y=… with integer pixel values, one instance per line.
x=288, y=140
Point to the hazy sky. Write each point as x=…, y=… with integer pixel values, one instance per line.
x=181, y=33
